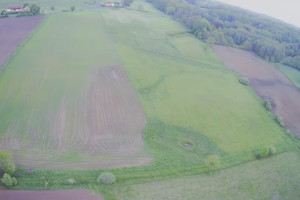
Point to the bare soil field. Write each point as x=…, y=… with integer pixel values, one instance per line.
x=79, y=194
x=267, y=82
x=13, y=31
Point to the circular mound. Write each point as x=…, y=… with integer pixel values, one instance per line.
x=187, y=143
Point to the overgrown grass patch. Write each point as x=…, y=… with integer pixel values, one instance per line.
x=275, y=177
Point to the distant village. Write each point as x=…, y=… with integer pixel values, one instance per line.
x=109, y=4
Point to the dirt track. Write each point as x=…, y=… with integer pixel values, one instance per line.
x=267, y=82
x=80, y=194
x=13, y=31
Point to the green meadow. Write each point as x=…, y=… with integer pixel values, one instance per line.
x=291, y=73
x=272, y=178
x=194, y=105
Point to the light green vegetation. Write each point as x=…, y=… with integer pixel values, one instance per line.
x=183, y=83
x=188, y=95
x=291, y=73
x=272, y=178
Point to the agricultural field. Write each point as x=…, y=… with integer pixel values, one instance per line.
x=12, y=32
x=274, y=178
x=291, y=73
x=132, y=92
x=268, y=82
x=66, y=99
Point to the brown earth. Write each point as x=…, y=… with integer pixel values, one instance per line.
x=13, y=31
x=79, y=194
x=267, y=82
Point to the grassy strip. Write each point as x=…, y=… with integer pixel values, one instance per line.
x=273, y=178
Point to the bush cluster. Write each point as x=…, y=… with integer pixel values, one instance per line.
x=279, y=120
x=106, y=178
x=244, y=81
x=267, y=105
x=8, y=181
x=213, y=162
x=71, y=181
x=7, y=163
x=266, y=151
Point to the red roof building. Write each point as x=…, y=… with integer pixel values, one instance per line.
x=14, y=9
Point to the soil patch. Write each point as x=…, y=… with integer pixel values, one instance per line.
x=13, y=31
x=267, y=82
x=48, y=195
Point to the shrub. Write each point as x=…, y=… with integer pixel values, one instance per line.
x=279, y=120
x=8, y=181
x=244, y=81
x=265, y=152
x=72, y=8
x=71, y=181
x=7, y=163
x=212, y=162
x=106, y=178
x=272, y=150
x=267, y=105
x=35, y=9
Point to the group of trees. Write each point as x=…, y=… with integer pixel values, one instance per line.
x=28, y=10
x=7, y=169
x=218, y=23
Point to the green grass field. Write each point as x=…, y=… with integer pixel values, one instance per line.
x=188, y=96
x=183, y=83
x=291, y=73
x=273, y=178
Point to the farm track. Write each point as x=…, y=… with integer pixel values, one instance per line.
x=268, y=82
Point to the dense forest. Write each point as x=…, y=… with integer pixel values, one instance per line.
x=218, y=23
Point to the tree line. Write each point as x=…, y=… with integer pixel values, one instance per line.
x=218, y=23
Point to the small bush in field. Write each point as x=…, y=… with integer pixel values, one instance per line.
x=71, y=181
x=106, y=178
x=265, y=152
x=212, y=162
x=244, y=81
x=267, y=105
x=8, y=181
x=279, y=120
x=272, y=150
x=7, y=163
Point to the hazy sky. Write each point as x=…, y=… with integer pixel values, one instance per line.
x=285, y=10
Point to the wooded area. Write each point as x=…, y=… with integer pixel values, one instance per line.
x=218, y=23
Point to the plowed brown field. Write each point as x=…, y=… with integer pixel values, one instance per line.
x=13, y=31
x=267, y=82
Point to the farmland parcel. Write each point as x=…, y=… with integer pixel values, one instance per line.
x=69, y=100
x=70, y=103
